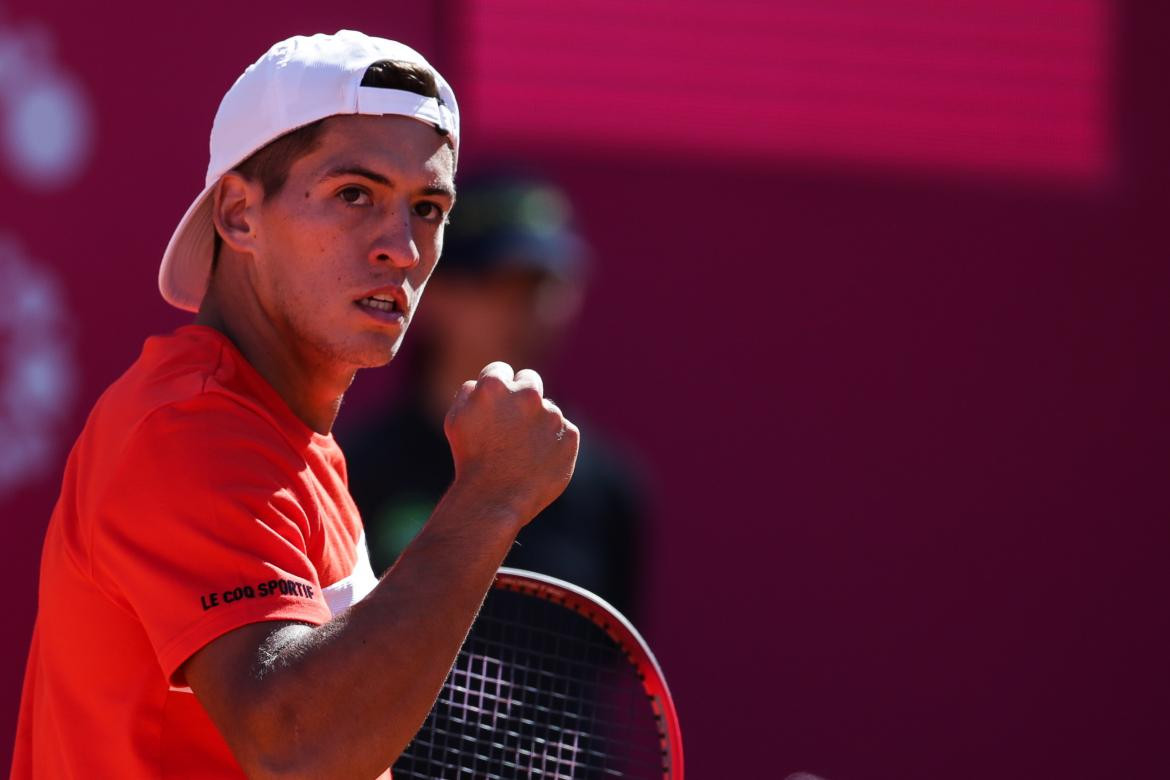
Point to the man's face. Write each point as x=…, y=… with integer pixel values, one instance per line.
x=343, y=251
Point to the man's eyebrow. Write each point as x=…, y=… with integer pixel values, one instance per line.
x=355, y=170
x=445, y=192
x=358, y=170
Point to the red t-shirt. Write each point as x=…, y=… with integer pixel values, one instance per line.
x=193, y=503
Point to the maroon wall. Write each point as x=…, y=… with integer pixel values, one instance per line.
x=908, y=430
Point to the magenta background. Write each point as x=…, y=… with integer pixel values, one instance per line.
x=907, y=429
x=1012, y=86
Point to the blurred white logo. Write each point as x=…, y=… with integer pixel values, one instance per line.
x=37, y=377
x=45, y=117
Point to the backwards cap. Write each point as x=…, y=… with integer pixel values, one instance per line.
x=295, y=83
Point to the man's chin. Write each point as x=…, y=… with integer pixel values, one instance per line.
x=378, y=350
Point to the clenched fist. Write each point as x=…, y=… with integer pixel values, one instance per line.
x=511, y=445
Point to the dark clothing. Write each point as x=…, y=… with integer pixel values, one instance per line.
x=400, y=466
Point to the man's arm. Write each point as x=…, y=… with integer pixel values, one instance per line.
x=343, y=699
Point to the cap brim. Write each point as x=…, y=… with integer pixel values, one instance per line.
x=186, y=264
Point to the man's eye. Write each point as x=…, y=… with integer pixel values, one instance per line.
x=355, y=196
x=429, y=211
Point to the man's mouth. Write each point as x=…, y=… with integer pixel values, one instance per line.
x=380, y=303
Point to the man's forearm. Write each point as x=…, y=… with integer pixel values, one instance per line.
x=344, y=699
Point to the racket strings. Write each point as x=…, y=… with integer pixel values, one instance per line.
x=563, y=692
x=538, y=691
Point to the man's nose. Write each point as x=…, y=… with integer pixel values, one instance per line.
x=395, y=244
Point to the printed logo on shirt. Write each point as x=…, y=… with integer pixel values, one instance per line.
x=262, y=589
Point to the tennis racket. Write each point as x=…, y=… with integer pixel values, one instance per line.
x=552, y=682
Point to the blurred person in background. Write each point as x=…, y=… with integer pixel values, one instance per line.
x=510, y=284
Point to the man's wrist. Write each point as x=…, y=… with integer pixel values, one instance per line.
x=473, y=504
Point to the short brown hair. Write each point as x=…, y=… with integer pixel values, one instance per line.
x=271, y=163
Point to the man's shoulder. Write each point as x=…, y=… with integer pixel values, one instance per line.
x=189, y=382
x=170, y=433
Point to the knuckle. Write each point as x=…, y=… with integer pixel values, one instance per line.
x=463, y=394
x=528, y=394
x=497, y=368
x=490, y=384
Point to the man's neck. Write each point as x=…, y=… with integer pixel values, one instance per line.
x=311, y=388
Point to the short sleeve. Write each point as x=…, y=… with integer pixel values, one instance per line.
x=205, y=526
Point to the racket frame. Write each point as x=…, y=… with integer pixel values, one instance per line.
x=606, y=617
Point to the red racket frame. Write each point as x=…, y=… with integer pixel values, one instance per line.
x=621, y=631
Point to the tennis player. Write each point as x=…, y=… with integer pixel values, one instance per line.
x=207, y=607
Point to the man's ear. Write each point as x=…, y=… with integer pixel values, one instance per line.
x=235, y=201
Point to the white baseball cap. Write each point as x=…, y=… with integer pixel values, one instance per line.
x=295, y=83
